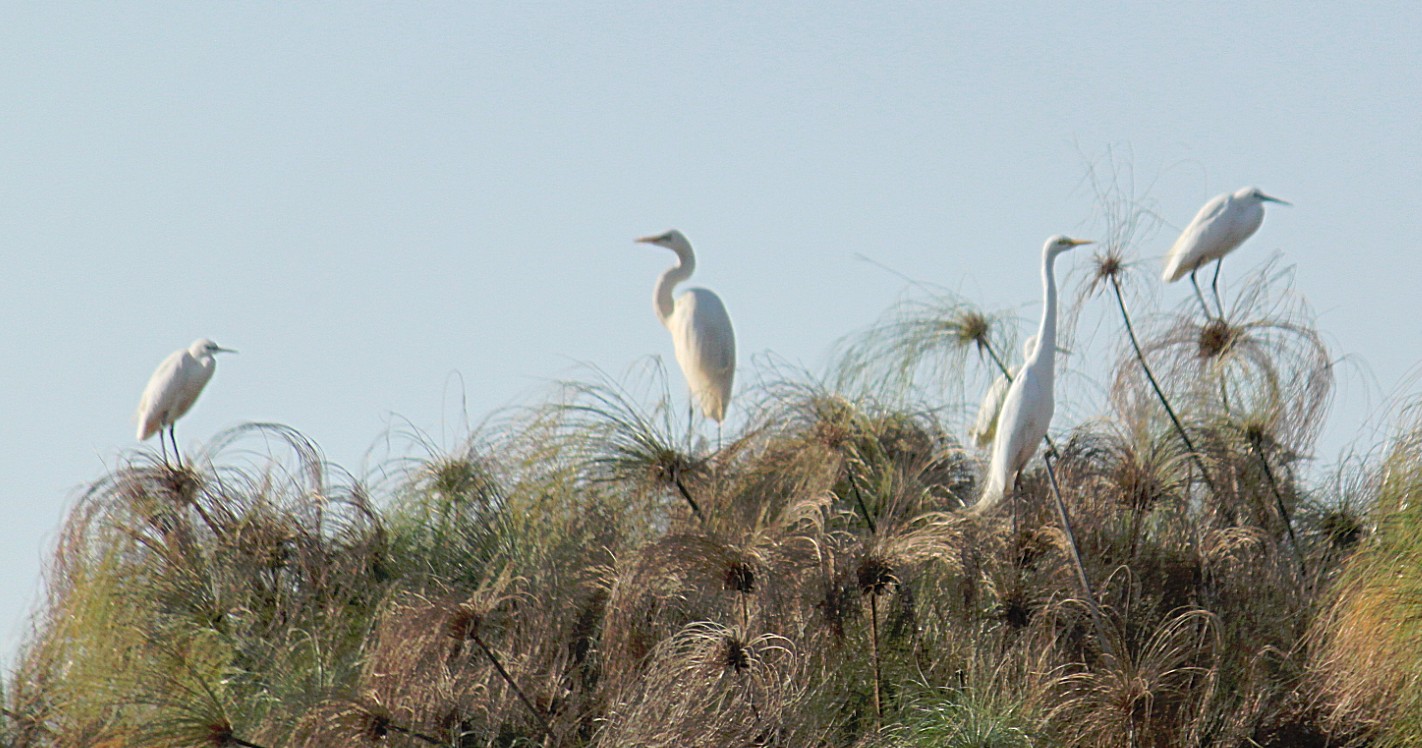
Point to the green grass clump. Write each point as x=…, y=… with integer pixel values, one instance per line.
x=964, y=718
x=1371, y=658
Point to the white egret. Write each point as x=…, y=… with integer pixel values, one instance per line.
x=173, y=389
x=985, y=426
x=1218, y=229
x=701, y=330
x=1027, y=408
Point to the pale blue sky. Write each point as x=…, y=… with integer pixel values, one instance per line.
x=367, y=198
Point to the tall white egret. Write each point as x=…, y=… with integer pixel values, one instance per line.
x=1027, y=408
x=701, y=330
x=985, y=426
x=173, y=389
x=1218, y=229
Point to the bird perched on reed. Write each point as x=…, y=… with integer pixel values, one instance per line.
x=1218, y=229
x=173, y=389
x=702, y=336
x=1028, y=406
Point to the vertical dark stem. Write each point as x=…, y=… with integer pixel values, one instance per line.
x=1089, y=596
x=542, y=719
x=1137, y=517
x=859, y=499
x=1279, y=503
x=874, y=652
x=1154, y=385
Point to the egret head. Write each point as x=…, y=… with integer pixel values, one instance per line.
x=1059, y=244
x=206, y=347
x=1257, y=195
x=673, y=240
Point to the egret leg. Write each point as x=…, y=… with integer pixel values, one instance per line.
x=163, y=446
x=1215, y=287
x=1012, y=499
x=1203, y=306
x=173, y=434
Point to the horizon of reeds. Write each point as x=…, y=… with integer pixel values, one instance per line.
x=590, y=572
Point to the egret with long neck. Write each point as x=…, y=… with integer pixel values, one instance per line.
x=1027, y=409
x=702, y=336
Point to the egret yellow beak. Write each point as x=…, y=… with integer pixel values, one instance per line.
x=1079, y=242
x=1271, y=199
x=646, y=240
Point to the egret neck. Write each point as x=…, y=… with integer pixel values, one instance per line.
x=662, y=293
x=1047, y=331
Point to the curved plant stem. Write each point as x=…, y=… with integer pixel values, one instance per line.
x=1154, y=385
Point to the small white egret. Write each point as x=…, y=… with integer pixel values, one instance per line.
x=1027, y=409
x=173, y=389
x=1218, y=229
x=985, y=426
x=701, y=330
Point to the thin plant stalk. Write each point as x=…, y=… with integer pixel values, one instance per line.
x=1279, y=503
x=1097, y=620
x=874, y=652
x=992, y=353
x=1137, y=519
x=859, y=500
x=685, y=494
x=411, y=733
x=1154, y=385
x=542, y=718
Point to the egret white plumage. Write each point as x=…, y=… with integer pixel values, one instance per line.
x=985, y=426
x=1027, y=408
x=702, y=336
x=1218, y=229
x=173, y=389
